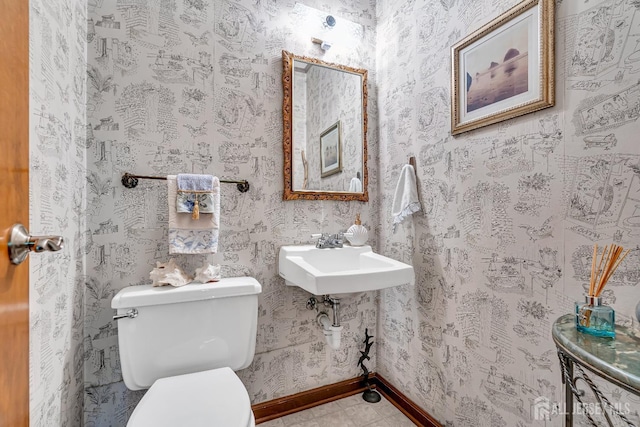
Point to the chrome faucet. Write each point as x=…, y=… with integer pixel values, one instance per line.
x=327, y=241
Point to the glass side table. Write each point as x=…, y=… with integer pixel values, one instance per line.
x=616, y=360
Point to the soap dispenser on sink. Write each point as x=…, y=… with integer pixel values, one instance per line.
x=357, y=234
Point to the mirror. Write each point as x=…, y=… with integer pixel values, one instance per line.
x=325, y=126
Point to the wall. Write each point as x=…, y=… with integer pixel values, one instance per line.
x=192, y=86
x=57, y=64
x=333, y=95
x=299, y=133
x=511, y=211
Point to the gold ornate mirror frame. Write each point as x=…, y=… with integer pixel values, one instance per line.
x=287, y=138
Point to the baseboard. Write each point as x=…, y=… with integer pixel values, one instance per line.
x=404, y=404
x=280, y=407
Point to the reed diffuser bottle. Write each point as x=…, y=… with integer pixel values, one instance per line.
x=593, y=317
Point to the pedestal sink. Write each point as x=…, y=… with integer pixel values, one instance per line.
x=339, y=271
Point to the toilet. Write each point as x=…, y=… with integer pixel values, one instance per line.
x=184, y=344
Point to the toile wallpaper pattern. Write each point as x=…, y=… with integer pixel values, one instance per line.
x=57, y=64
x=195, y=86
x=511, y=211
x=502, y=249
x=299, y=131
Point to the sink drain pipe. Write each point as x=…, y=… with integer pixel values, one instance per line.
x=332, y=331
x=332, y=334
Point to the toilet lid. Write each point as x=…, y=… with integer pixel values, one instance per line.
x=202, y=399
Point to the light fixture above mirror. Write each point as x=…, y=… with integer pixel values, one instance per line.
x=325, y=130
x=330, y=21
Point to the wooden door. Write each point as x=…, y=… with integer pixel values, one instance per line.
x=14, y=207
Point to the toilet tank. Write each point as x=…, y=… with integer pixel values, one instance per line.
x=187, y=329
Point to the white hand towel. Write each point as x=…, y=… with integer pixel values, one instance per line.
x=405, y=199
x=195, y=194
x=355, y=186
x=194, y=182
x=189, y=236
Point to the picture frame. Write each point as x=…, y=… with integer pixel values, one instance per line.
x=331, y=150
x=504, y=69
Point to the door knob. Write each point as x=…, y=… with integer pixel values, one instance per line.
x=21, y=243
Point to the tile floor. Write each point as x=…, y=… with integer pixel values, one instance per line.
x=351, y=411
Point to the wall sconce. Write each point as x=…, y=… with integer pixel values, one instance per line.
x=324, y=45
x=328, y=23
x=324, y=29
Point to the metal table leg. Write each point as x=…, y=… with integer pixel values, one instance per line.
x=569, y=379
x=566, y=365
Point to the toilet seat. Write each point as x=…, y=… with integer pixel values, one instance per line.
x=203, y=399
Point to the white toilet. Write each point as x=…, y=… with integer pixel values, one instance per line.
x=184, y=344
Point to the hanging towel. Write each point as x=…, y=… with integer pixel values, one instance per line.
x=195, y=194
x=405, y=199
x=355, y=186
x=189, y=236
x=195, y=182
x=195, y=203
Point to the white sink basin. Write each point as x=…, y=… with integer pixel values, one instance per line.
x=341, y=270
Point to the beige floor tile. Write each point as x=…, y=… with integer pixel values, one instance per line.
x=337, y=419
x=351, y=400
x=297, y=418
x=327, y=408
x=381, y=423
x=309, y=423
x=400, y=421
x=351, y=411
x=385, y=408
x=273, y=423
x=362, y=414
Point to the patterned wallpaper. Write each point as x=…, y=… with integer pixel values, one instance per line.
x=57, y=65
x=195, y=86
x=511, y=211
x=299, y=132
x=503, y=248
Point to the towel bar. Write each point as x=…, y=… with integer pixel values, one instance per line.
x=131, y=181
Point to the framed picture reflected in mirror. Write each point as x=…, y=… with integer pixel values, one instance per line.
x=331, y=150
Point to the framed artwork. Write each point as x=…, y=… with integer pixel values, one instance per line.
x=505, y=69
x=331, y=150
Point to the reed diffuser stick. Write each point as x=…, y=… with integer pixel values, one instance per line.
x=599, y=270
x=607, y=264
x=592, y=282
x=619, y=261
x=613, y=269
x=605, y=269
